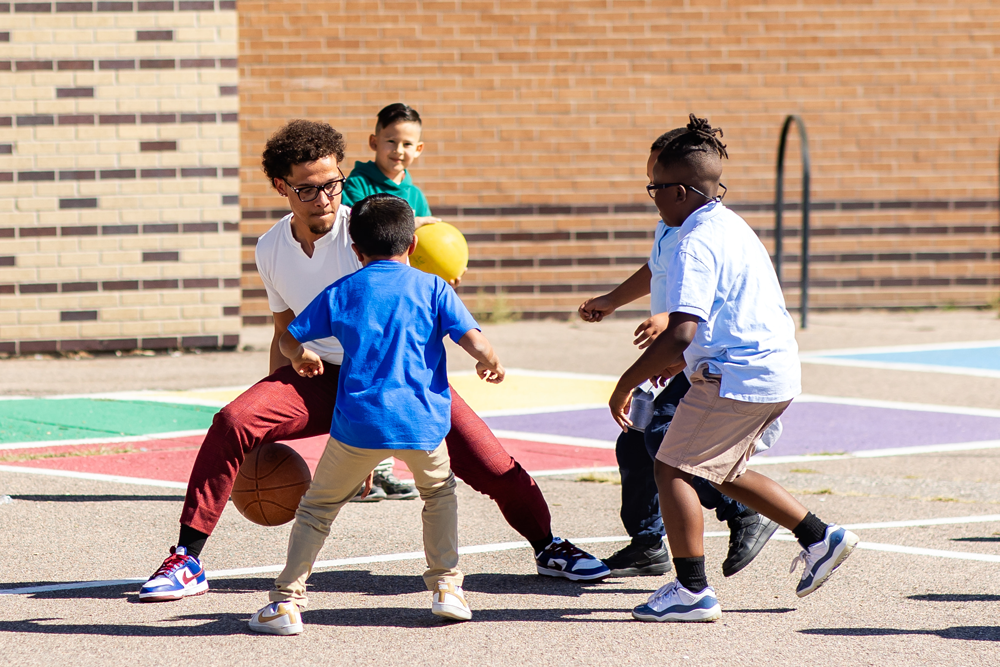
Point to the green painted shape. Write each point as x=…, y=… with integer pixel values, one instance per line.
x=39, y=419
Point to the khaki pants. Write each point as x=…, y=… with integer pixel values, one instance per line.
x=340, y=474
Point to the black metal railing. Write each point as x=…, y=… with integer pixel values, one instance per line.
x=779, y=205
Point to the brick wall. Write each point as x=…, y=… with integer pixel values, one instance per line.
x=538, y=117
x=119, y=184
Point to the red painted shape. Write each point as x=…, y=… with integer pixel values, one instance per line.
x=172, y=459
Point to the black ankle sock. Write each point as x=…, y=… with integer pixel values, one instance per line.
x=538, y=545
x=192, y=540
x=691, y=573
x=809, y=531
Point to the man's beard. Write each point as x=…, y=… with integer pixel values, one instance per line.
x=317, y=225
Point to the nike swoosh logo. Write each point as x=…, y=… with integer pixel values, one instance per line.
x=187, y=577
x=268, y=619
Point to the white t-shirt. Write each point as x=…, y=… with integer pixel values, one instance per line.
x=293, y=279
x=664, y=243
x=722, y=274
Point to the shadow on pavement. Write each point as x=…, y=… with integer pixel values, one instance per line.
x=352, y=581
x=955, y=597
x=976, y=539
x=421, y=617
x=215, y=625
x=987, y=633
x=88, y=498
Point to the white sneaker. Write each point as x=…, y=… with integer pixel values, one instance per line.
x=449, y=601
x=278, y=618
x=675, y=603
x=822, y=558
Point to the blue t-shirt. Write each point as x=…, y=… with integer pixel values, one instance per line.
x=721, y=273
x=391, y=320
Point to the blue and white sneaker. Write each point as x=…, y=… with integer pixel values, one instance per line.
x=822, y=558
x=564, y=559
x=179, y=577
x=674, y=603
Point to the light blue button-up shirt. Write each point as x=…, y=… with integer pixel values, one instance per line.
x=721, y=273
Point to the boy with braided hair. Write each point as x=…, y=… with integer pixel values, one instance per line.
x=729, y=329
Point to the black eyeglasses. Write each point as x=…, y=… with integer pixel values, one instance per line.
x=651, y=189
x=309, y=193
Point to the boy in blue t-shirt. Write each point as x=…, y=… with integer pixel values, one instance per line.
x=392, y=399
x=397, y=145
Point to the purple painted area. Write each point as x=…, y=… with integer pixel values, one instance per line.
x=810, y=428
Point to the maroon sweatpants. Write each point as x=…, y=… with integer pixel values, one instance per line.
x=286, y=406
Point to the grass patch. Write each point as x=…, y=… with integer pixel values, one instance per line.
x=600, y=477
x=943, y=499
x=806, y=471
x=494, y=309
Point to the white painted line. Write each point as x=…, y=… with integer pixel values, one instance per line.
x=514, y=412
x=555, y=439
x=763, y=459
x=913, y=551
x=929, y=347
x=102, y=441
x=558, y=375
x=572, y=471
x=897, y=405
x=782, y=536
x=94, y=477
x=900, y=366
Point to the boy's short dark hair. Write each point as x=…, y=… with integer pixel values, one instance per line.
x=396, y=113
x=381, y=225
x=694, y=144
x=297, y=142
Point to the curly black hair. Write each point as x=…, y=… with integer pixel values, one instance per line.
x=297, y=142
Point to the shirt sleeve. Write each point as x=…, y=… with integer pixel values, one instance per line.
x=315, y=320
x=455, y=318
x=692, y=285
x=274, y=300
x=354, y=190
x=420, y=205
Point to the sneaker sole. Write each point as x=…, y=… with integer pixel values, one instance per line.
x=653, y=570
x=284, y=631
x=200, y=589
x=850, y=541
x=546, y=572
x=700, y=616
x=758, y=546
x=452, y=612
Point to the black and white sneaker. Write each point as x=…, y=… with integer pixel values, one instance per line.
x=393, y=487
x=639, y=560
x=375, y=495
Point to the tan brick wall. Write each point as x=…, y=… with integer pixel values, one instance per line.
x=119, y=184
x=529, y=102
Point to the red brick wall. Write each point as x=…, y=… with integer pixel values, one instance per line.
x=538, y=117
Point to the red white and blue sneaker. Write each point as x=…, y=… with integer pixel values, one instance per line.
x=564, y=559
x=822, y=558
x=674, y=603
x=179, y=577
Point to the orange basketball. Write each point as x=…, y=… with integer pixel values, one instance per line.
x=270, y=484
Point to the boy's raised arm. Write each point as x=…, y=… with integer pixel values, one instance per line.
x=635, y=287
x=663, y=354
x=488, y=364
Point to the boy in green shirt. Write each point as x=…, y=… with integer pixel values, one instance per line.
x=397, y=145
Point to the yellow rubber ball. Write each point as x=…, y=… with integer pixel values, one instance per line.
x=441, y=250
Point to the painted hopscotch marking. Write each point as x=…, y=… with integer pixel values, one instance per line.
x=783, y=536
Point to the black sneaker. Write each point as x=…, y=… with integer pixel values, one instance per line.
x=395, y=488
x=375, y=495
x=639, y=560
x=747, y=536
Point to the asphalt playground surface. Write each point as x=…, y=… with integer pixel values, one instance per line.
x=897, y=436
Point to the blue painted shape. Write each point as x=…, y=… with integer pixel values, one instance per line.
x=980, y=358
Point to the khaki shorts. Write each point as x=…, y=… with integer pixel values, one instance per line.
x=711, y=436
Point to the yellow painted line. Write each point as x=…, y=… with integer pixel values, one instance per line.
x=520, y=390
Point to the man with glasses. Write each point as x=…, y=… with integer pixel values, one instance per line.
x=303, y=253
